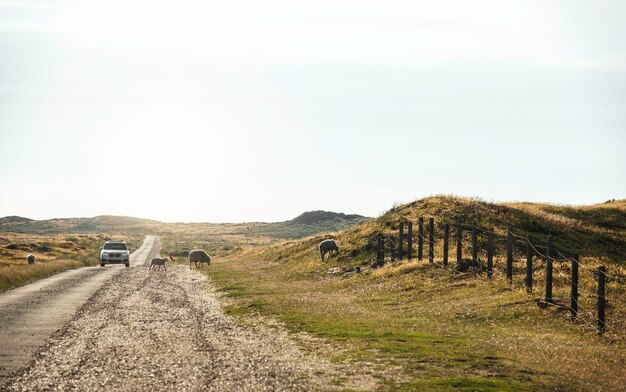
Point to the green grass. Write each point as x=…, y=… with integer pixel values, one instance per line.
x=444, y=332
x=14, y=276
x=462, y=384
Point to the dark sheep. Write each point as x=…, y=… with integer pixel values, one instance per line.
x=330, y=247
x=30, y=258
x=159, y=262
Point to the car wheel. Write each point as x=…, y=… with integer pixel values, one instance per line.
x=101, y=264
x=127, y=265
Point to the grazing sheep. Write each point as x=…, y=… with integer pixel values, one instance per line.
x=158, y=261
x=30, y=258
x=199, y=256
x=330, y=247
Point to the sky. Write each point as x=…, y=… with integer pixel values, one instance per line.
x=232, y=111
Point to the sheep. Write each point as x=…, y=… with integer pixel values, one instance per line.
x=199, y=256
x=30, y=258
x=328, y=246
x=158, y=261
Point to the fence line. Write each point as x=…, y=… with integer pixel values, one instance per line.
x=532, y=251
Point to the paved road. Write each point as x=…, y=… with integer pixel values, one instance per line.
x=30, y=314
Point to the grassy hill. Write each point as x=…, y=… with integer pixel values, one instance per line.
x=418, y=326
x=307, y=224
x=592, y=231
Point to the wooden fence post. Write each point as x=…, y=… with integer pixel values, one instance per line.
x=459, y=245
x=380, y=254
x=529, y=267
x=474, y=246
x=420, y=239
x=446, y=238
x=409, y=241
x=490, y=254
x=509, y=255
x=401, y=241
x=393, y=249
x=601, y=299
x=574, y=296
x=431, y=240
x=549, y=271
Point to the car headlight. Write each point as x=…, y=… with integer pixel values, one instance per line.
x=105, y=253
x=124, y=253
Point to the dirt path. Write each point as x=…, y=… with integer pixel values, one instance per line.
x=30, y=314
x=166, y=331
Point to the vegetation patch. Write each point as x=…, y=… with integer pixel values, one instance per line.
x=54, y=253
x=445, y=330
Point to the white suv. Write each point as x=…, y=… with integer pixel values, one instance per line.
x=114, y=252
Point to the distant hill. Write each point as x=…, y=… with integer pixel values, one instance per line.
x=101, y=224
x=14, y=221
x=308, y=223
x=110, y=223
x=317, y=217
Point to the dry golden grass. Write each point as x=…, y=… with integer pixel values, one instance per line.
x=53, y=253
x=215, y=242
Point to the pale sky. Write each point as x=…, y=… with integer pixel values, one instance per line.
x=259, y=110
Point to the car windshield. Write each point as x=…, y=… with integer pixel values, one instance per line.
x=115, y=246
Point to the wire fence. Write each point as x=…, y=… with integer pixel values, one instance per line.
x=526, y=265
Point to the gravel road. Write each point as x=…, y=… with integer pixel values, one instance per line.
x=30, y=314
x=165, y=330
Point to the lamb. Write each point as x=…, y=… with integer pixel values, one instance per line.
x=158, y=261
x=199, y=256
x=328, y=246
x=30, y=258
